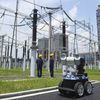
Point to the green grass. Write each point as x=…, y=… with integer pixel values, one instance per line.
x=14, y=86
x=34, y=83
x=14, y=72
x=17, y=72
x=29, y=83
x=93, y=74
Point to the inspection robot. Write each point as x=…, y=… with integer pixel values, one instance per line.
x=75, y=80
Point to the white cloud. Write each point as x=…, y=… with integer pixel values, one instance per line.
x=8, y=3
x=27, y=8
x=73, y=12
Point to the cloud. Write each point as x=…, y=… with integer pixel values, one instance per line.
x=27, y=9
x=73, y=12
x=8, y=3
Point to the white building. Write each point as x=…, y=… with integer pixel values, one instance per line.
x=56, y=44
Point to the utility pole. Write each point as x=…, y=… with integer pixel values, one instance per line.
x=8, y=53
x=95, y=59
x=33, y=48
x=28, y=63
x=15, y=27
x=64, y=36
x=90, y=53
x=64, y=48
x=49, y=42
x=28, y=53
x=75, y=39
x=1, y=52
x=5, y=57
x=16, y=34
x=24, y=57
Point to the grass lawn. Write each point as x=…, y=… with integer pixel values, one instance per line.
x=35, y=83
x=28, y=84
x=93, y=74
x=13, y=72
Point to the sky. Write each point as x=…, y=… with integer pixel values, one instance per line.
x=77, y=10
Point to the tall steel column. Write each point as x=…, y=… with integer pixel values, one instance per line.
x=95, y=56
x=28, y=55
x=33, y=48
x=24, y=57
x=8, y=54
x=1, y=52
x=5, y=58
x=49, y=43
x=75, y=49
x=64, y=36
x=15, y=27
x=17, y=3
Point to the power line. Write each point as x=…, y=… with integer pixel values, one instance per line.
x=81, y=36
x=44, y=15
x=11, y=15
x=41, y=6
x=12, y=11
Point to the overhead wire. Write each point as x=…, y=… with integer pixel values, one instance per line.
x=3, y=14
x=2, y=18
x=52, y=17
x=13, y=11
x=11, y=15
x=41, y=6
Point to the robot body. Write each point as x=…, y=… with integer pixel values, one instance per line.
x=74, y=78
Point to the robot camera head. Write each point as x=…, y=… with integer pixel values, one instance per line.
x=80, y=62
